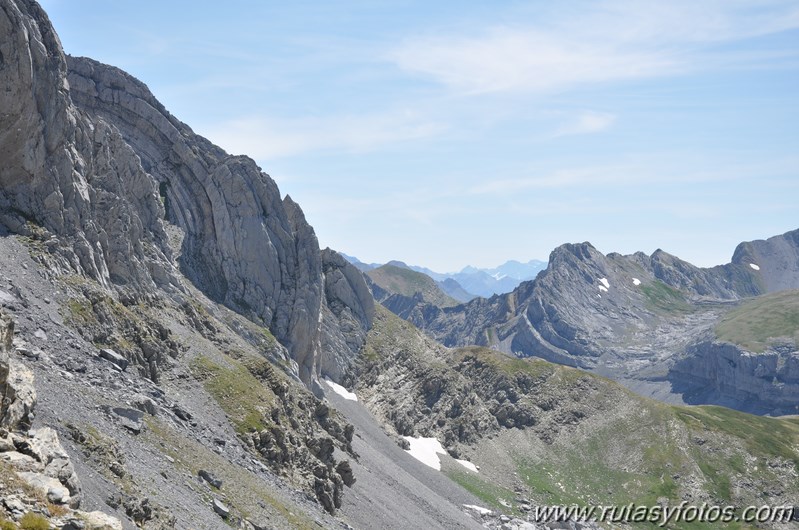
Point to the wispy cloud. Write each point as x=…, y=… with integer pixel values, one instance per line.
x=642, y=172
x=558, y=179
x=266, y=138
x=610, y=41
x=586, y=122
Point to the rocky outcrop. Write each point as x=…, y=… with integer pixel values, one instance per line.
x=629, y=317
x=348, y=313
x=569, y=315
x=17, y=394
x=93, y=167
x=776, y=259
x=725, y=374
x=243, y=245
x=35, y=455
x=461, y=396
x=68, y=175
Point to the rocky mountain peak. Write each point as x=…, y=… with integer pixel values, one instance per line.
x=774, y=261
x=568, y=251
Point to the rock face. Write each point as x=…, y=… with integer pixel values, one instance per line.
x=66, y=174
x=17, y=394
x=628, y=317
x=243, y=245
x=38, y=455
x=135, y=218
x=726, y=374
x=348, y=314
x=95, y=167
x=776, y=259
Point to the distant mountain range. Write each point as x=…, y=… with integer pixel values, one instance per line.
x=471, y=282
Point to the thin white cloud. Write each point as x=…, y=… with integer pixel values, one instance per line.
x=641, y=172
x=508, y=59
x=558, y=179
x=586, y=122
x=269, y=138
x=611, y=41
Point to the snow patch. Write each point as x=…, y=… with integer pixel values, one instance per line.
x=478, y=509
x=468, y=465
x=603, y=288
x=636, y=281
x=426, y=451
x=341, y=391
x=605, y=282
x=756, y=267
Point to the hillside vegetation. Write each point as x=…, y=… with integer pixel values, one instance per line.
x=558, y=435
x=759, y=322
x=399, y=280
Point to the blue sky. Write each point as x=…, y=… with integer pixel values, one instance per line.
x=454, y=133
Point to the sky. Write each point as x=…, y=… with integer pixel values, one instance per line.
x=447, y=134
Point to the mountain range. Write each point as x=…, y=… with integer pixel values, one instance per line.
x=471, y=282
x=176, y=350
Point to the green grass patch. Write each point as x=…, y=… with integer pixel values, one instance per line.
x=758, y=322
x=391, y=336
x=80, y=310
x=596, y=469
x=532, y=366
x=487, y=492
x=663, y=298
x=762, y=435
x=243, y=398
x=408, y=282
x=34, y=521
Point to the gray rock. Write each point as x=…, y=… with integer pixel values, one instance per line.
x=18, y=396
x=46, y=447
x=210, y=478
x=344, y=469
x=181, y=413
x=13, y=504
x=6, y=341
x=112, y=356
x=145, y=404
x=131, y=419
x=220, y=508
x=568, y=316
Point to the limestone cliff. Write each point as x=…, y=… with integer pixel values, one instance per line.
x=67, y=174
x=96, y=169
x=628, y=317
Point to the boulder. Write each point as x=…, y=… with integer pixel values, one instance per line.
x=18, y=397
x=50, y=487
x=210, y=478
x=99, y=521
x=131, y=419
x=45, y=446
x=220, y=508
x=112, y=356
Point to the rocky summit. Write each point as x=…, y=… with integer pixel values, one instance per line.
x=176, y=351
x=655, y=323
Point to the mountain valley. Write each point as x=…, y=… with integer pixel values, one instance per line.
x=177, y=351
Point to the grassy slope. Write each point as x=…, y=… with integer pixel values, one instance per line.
x=662, y=298
x=408, y=282
x=632, y=449
x=757, y=322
